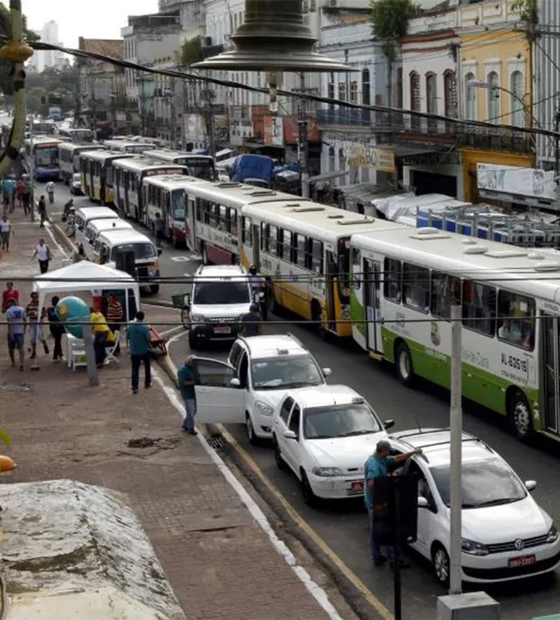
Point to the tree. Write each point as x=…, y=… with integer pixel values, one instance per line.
x=390, y=22
x=191, y=52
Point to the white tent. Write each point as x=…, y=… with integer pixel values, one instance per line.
x=85, y=276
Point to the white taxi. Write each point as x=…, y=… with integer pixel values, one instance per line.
x=325, y=435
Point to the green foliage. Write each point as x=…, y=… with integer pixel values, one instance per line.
x=529, y=14
x=54, y=87
x=191, y=51
x=390, y=22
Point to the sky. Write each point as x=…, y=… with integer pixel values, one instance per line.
x=92, y=19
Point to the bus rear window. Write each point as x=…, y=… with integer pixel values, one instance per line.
x=142, y=251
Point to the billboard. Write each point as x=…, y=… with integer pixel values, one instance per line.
x=528, y=182
x=274, y=130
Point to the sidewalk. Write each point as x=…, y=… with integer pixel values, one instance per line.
x=219, y=560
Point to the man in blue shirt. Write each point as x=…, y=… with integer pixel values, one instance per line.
x=376, y=467
x=185, y=381
x=16, y=317
x=138, y=337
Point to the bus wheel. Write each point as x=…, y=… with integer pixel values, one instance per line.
x=154, y=289
x=205, y=255
x=317, y=317
x=519, y=414
x=403, y=363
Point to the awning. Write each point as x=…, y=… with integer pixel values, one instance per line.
x=328, y=176
x=400, y=151
x=366, y=192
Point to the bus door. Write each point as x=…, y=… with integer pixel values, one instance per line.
x=331, y=273
x=256, y=241
x=550, y=377
x=190, y=217
x=372, y=291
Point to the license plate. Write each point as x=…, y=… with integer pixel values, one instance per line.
x=525, y=560
x=357, y=486
x=222, y=330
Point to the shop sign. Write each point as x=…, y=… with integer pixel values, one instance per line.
x=240, y=129
x=361, y=156
x=274, y=130
x=528, y=182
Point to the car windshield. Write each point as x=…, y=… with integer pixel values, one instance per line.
x=340, y=421
x=485, y=483
x=277, y=373
x=141, y=250
x=221, y=293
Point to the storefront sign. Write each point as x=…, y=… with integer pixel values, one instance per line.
x=195, y=128
x=240, y=129
x=274, y=130
x=362, y=156
x=527, y=182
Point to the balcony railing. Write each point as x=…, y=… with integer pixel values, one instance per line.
x=377, y=121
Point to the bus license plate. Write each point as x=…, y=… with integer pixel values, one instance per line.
x=525, y=560
x=222, y=330
x=357, y=486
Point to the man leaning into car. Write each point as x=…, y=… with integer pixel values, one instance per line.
x=376, y=467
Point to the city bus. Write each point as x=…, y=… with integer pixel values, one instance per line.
x=200, y=166
x=41, y=156
x=125, y=146
x=129, y=176
x=69, y=158
x=304, y=247
x=165, y=195
x=98, y=174
x=76, y=134
x=405, y=283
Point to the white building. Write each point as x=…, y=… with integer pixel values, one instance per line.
x=44, y=59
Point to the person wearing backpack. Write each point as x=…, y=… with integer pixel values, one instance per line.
x=43, y=254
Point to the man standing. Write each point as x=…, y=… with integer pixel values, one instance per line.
x=138, y=336
x=159, y=226
x=251, y=322
x=56, y=328
x=376, y=467
x=5, y=232
x=16, y=318
x=43, y=255
x=42, y=210
x=115, y=316
x=100, y=331
x=36, y=325
x=9, y=293
x=50, y=191
x=185, y=380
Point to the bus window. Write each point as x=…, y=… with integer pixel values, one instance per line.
x=446, y=292
x=516, y=320
x=416, y=287
x=356, y=269
x=271, y=239
x=299, y=242
x=479, y=307
x=247, y=231
x=392, y=280
x=178, y=204
x=232, y=215
x=317, y=258
x=285, y=245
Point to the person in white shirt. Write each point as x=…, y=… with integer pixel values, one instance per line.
x=50, y=191
x=43, y=255
x=5, y=232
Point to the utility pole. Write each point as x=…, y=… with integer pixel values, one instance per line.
x=183, y=112
x=456, y=449
x=303, y=143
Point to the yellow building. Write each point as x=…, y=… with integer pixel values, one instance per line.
x=494, y=61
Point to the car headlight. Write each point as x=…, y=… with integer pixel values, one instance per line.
x=552, y=535
x=264, y=409
x=473, y=548
x=197, y=318
x=327, y=472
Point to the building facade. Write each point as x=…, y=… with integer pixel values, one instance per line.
x=48, y=59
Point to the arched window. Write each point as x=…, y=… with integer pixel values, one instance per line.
x=431, y=98
x=517, y=88
x=470, y=98
x=366, y=87
x=341, y=160
x=415, y=97
x=450, y=87
x=332, y=160
x=493, y=97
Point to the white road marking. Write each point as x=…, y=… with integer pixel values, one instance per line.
x=183, y=258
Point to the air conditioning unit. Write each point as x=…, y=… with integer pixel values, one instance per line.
x=207, y=41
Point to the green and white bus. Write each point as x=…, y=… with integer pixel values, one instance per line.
x=405, y=282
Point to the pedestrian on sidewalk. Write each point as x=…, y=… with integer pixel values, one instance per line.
x=56, y=328
x=185, y=380
x=21, y=188
x=6, y=231
x=16, y=318
x=115, y=316
x=42, y=210
x=9, y=293
x=9, y=192
x=26, y=195
x=36, y=333
x=50, y=191
x=44, y=256
x=101, y=333
x=138, y=337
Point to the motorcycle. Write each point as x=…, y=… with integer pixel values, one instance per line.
x=67, y=207
x=259, y=298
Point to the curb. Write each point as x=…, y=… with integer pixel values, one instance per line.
x=63, y=238
x=163, y=304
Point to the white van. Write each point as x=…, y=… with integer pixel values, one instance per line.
x=95, y=227
x=84, y=216
x=146, y=256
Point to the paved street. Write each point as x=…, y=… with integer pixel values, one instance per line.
x=344, y=526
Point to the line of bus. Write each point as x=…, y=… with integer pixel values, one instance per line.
x=97, y=174
x=41, y=156
x=69, y=158
x=124, y=146
x=200, y=166
x=75, y=134
x=129, y=177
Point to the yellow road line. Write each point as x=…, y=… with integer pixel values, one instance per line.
x=300, y=522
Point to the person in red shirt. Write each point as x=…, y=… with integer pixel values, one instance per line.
x=9, y=293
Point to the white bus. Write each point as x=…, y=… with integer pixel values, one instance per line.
x=165, y=195
x=98, y=174
x=200, y=166
x=128, y=147
x=129, y=177
x=41, y=156
x=304, y=247
x=405, y=284
x=69, y=158
x=214, y=214
x=79, y=134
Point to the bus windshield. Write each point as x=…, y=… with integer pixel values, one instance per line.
x=109, y=173
x=142, y=251
x=178, y=204
x=46, y=156
x=202, y=168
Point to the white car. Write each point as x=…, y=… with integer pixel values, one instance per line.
x=506, y=534
x=325, y=435
x=76, y=184
x=247, y=388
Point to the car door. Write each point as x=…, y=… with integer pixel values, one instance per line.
x=217, y=401
x=427, y=517
x=292, y=446
x=281, y=424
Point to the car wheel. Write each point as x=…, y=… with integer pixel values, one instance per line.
x=280, y=462
x=440, y=560
x=403, y=364
x=519, y=413
x=154, y=289
x=193, y=342
x=307, y=492
x=253, y=439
